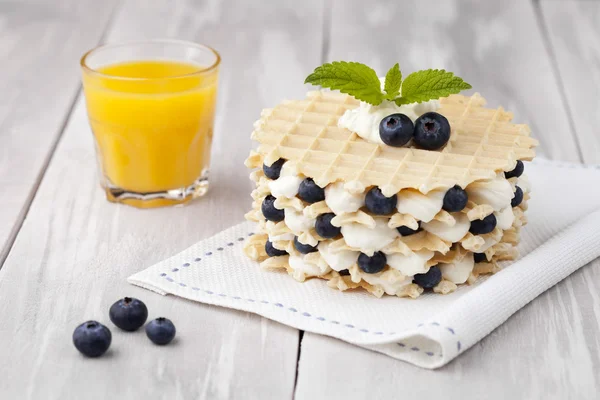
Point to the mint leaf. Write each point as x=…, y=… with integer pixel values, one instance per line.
x=393, y=79
x=352, y=78
x=430, y=84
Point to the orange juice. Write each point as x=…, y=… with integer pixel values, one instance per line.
x=153, y=125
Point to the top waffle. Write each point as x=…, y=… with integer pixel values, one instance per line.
x=483, y=141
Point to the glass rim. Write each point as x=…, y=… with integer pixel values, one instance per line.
x=204, y=70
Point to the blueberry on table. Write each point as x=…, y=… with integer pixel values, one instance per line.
x=273, y=171
x=128, y=314
x=516, y=172
x=396, y=130
x=432, y=131
x=92, y=339
x=270, y=212
x=310, y=192
x=518, y=198
x=455, y=199
x=378, y=204
x=483, y=226
x=373, y=264
x=324, y=227
x=430, y=279
x=272, y=251
x=304, y=248
x=406, y=231
x=160, y=331
x=479, y=257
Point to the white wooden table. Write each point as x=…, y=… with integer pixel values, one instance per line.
x=65, y=252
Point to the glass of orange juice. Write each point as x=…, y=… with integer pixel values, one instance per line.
x=151, y=107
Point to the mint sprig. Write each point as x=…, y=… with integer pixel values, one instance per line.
x=361, y=81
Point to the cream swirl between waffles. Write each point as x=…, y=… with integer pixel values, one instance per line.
x=304, y=137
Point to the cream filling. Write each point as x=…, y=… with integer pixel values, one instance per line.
x=340, y=260
x=303, y=269
x=369, y=240
x=505, y=218
x=412, y=264
x=297, y=221
x=458, y=271
x=340, y=201
x=391, y=281
x=446, y=232
x=421, y=206
x=288, y=182
x=496, y=192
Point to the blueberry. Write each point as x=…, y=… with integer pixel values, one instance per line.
x=518, y=171
x=270, y=212
x=372, y=265
x=304, y=248
x=432, y=131
x=272, y=251
x=455, y=199
x=344, y=272
x=92, y=338
x=128, y=314
x=310, y=192
x=483, y=226
x=479, y=257
x=160, y=331
x=273, y=171
x=429, y=279
x=396, y=130
x=406, y=231
x=378, y=204
x=324, y=227
x=518, y=197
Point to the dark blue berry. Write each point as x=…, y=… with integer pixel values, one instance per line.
x=406, y=231
x=429, y=279
x=518, y=171
x=272, y=251
x=92, y=338
x=273, y=171
x=396, y=130
x=432, y=131
x=372, y=265
x=344, y=272
x=479, y=257
x=270, y=212
x=378, y=204
x=324, y=227
x=304, y=248
x=455, y=199
x=160, y=331
x=483, y=226
x=128, y=314
x=310, y=192
x=518, y=197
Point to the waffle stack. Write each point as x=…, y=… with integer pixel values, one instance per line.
x=304, y=138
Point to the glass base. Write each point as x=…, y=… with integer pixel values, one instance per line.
x=174, y=197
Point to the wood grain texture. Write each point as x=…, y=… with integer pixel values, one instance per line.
x=574, y=36
x=549, y=349
x=39, y=79
x=75, y=250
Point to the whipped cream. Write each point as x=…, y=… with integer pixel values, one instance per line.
x=341, y=201
x=369, y=240
x=288, y=182
x=458, y=271
x=496, y=192
x=304, y=269
x=365, y=119
x=339, y=260
x=297, y=221
x=421, y=206
x=412, y=264
x=391, y=281
x=282, y=237
x=505, y=218
x=446, y=232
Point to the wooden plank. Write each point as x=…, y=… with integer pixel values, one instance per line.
x=548, y=349
x=39, y=81
x=75, y=250
x=574, y=35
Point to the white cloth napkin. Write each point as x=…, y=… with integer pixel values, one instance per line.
x=563, y=234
